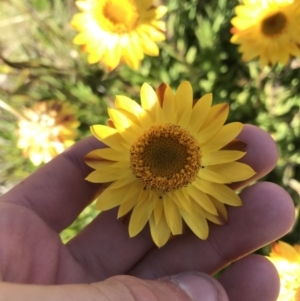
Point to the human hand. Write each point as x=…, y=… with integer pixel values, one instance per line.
x=35, y=211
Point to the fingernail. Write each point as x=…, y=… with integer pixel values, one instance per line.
x=199, y=287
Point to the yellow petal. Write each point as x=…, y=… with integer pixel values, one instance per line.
x=126, y=103
x=234, y=171
x=184, y=120
x=159, y=114
x=200, y=111
x=209, y=175
x=123, y=182
x=81, y=38
x=97, y=162
x=196, y=222
x=214, y=218
x=213, y=122
x=148, y=97
x=128, y=107
x=172, y=215
x=158, y=210
x=96, y=54
x=140, y=214
x=106, y=153
x=131, y=59
x=220, y=157
x=182, y=200
x=111, y=198
x=284, y=250
x=108, y=136
x=202, y=199
x=184, y=103
x=160, y=232
x=130, y=199
x=127, y=129
x=160, y=11
x=83, y=5
x=169, y=106
x=149, y=47
x=145, y=119
x=79, y=21
x=132, y=107
x=220, y=191
x=106, y=175
x=227, y=133
x=112, y=57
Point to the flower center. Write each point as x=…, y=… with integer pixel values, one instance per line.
x=274, y=24
x=165, y=157
x=117, y=16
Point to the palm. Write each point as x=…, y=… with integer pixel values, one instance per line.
x=31, y=251
x=33, y=213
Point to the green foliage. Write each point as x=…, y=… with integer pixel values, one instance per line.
x=39, y=61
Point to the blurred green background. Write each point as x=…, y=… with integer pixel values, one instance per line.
x=39, y=62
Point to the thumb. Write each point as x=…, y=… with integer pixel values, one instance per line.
x=182, y=287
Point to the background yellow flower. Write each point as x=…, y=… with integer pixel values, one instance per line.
x=287, y=262
x=114, y=31
x=167, y=163
x=46, y=130
x=268, y=29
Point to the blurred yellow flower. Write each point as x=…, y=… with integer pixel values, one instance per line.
x=114, y=31
x=287, y=262
x=165, y=161
x=46, y=130
x=268, y=29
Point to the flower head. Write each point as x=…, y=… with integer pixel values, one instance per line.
x=46, y=130
x=166, y=161
x=268, y=29
x=114, y=31
x=286, y=259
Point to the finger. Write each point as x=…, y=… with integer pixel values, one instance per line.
x=126, y=252
x=58, y=191
x=267, y=214
x=252, y=278
x=262, y=153
x=105, y=248
x=178, y=288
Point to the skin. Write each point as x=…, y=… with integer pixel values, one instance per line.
x=103, y=263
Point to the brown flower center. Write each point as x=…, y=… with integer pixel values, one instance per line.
x=165, y=157
x=274, y=24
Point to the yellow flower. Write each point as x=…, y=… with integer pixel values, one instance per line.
x=46, y=130
x=165, y=162
x=287, y=262
x=268, y=29
x=114, y=31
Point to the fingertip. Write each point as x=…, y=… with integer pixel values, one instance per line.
x=79, y=150
x=276, y=204
x=261, y=150
x=250, y=279
x=199, y=286
x=266, y=152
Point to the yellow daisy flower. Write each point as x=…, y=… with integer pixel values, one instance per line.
x=165, y=162
x=114, y=31
x=268, y=29
x=287, y=262
x=46, y=130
